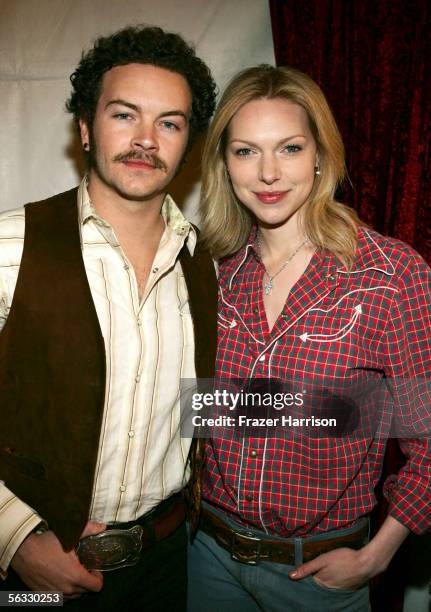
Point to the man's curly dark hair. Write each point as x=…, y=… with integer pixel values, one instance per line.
x=143, y=45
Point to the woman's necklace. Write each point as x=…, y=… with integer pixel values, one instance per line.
x=268, y=286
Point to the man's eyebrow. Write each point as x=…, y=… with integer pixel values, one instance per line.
x=173, y=113
x=122, y=103
x=170, y=113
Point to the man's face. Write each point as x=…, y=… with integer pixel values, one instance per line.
x=140, y=132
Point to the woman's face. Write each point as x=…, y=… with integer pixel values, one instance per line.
x=271, y=155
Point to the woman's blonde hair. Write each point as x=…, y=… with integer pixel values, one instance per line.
x=226, y=222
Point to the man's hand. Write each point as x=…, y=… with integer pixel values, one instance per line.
x=342, y=568
x=42, y=565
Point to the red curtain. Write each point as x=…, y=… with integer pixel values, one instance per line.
x=372, y=59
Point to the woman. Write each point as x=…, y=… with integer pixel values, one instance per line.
x=306, y=293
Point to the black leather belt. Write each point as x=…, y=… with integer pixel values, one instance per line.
x=250, y=549
x=121, y=544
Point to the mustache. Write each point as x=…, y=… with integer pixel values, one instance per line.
x=150, y=158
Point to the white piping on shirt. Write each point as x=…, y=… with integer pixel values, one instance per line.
x=351, y=293
x=335, y=336
x=240, y=264
x=264, y=451
x=286, y=329
x=225, y=319
x=233, y=323
x=371, y=267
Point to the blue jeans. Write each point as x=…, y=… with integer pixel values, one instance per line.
x=217, y=582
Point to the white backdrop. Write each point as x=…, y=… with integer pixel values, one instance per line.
x=40, y=45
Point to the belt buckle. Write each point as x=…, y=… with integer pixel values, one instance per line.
x=238, y=556
x=111, y=549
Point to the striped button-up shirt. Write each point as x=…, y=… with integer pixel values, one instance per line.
x=367, y=324
x=149, y=347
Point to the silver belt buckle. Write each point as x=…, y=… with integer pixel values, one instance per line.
x=249, y=559
x=111, y=549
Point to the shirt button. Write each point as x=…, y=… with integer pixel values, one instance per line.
x=155, y=270
x=139, y=322
x=122, y=488
x=253, y=453
x=138, y=378
x=262, y=358
x=131, y=433
x=249, y=498
x=256, y=310
x=126, y=267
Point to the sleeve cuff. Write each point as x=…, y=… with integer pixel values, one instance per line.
x=17, y=521
x=410, y=508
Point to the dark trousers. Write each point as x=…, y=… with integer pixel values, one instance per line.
x=157, y=582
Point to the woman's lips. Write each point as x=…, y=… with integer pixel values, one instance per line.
x=270, y=197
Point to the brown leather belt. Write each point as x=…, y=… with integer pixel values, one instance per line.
x=250, y=549
x=163, y=520
x=121, y=544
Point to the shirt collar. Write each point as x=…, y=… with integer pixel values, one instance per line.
x=173, y=217
x=369, y=256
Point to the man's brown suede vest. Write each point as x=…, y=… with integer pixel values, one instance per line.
x=52, y=366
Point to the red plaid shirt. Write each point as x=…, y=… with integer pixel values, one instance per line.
x=373, y=321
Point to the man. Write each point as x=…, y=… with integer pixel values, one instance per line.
x=101, y=307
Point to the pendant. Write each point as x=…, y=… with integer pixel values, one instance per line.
x=267, y=287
